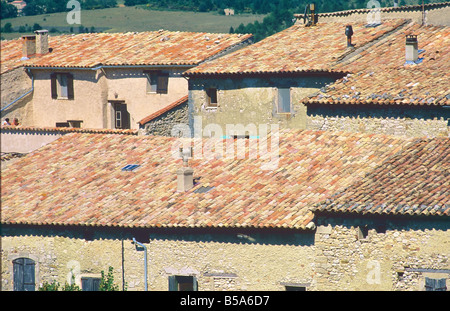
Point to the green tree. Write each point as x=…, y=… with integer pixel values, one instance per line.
x=7, y=10
x=7, y=28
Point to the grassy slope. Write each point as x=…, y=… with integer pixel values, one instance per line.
x=125, y=19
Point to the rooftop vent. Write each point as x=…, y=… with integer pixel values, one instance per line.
x=349, y=34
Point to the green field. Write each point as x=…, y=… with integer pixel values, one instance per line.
x=124, y=19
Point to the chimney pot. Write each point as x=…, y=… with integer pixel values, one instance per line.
x=411, y=48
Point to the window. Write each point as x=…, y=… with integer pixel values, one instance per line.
x=90, y=284
x=121, y=116
x=284, y=100
x=182, y=283
x=435, y=284
x=211, y=96
x=24, y=274
x=62, y=86
x=157, y=82
x=75, y=123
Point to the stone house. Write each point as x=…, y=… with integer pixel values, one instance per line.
x=321, y=219
x=292, y=77
x=265, y=82
x=102, y=80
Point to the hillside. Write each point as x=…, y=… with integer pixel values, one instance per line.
x=124, y=19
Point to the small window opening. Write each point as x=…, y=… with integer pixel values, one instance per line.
x=211, y=95
x=182, y=283
x=295, y=288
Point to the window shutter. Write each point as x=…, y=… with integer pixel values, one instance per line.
x=441, y=285
x=430, y=284
x=163, y=83
x=54, y=87
x=152, y=80
x=194, y=284
x=173, y=284
x=70, y=94
x=24, y=274
x=18, y=274
x=435, y=284
x=28, y=275
x=284, y=100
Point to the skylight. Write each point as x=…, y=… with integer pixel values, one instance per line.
x=130, y=167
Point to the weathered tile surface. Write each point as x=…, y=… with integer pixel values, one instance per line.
x=77, y=180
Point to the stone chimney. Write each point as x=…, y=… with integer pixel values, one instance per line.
x=185, y=175
x=29, y=46
x=411, y=48
x=41, y=42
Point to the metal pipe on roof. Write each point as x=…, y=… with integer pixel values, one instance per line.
x=145, y=261
x=22, y=96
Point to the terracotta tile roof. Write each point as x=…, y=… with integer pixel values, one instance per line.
x=145, y=48
x=77, y=180
x=182, y=100
x=380, y=75
x=68, y=130
x=416, y=181
x=295, y=50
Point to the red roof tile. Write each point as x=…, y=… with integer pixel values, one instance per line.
x=77, y=180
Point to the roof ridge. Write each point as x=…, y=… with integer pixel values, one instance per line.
x=382, y=9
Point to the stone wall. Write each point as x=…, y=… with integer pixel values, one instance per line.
x=14, y=84
x=163, y=124
x=340, y=255
x=408, y=121
x=252, y=100
x=360, y=254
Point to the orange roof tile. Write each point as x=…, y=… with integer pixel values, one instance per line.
x=296, y=49
x=145, y=48
x=77, y=180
